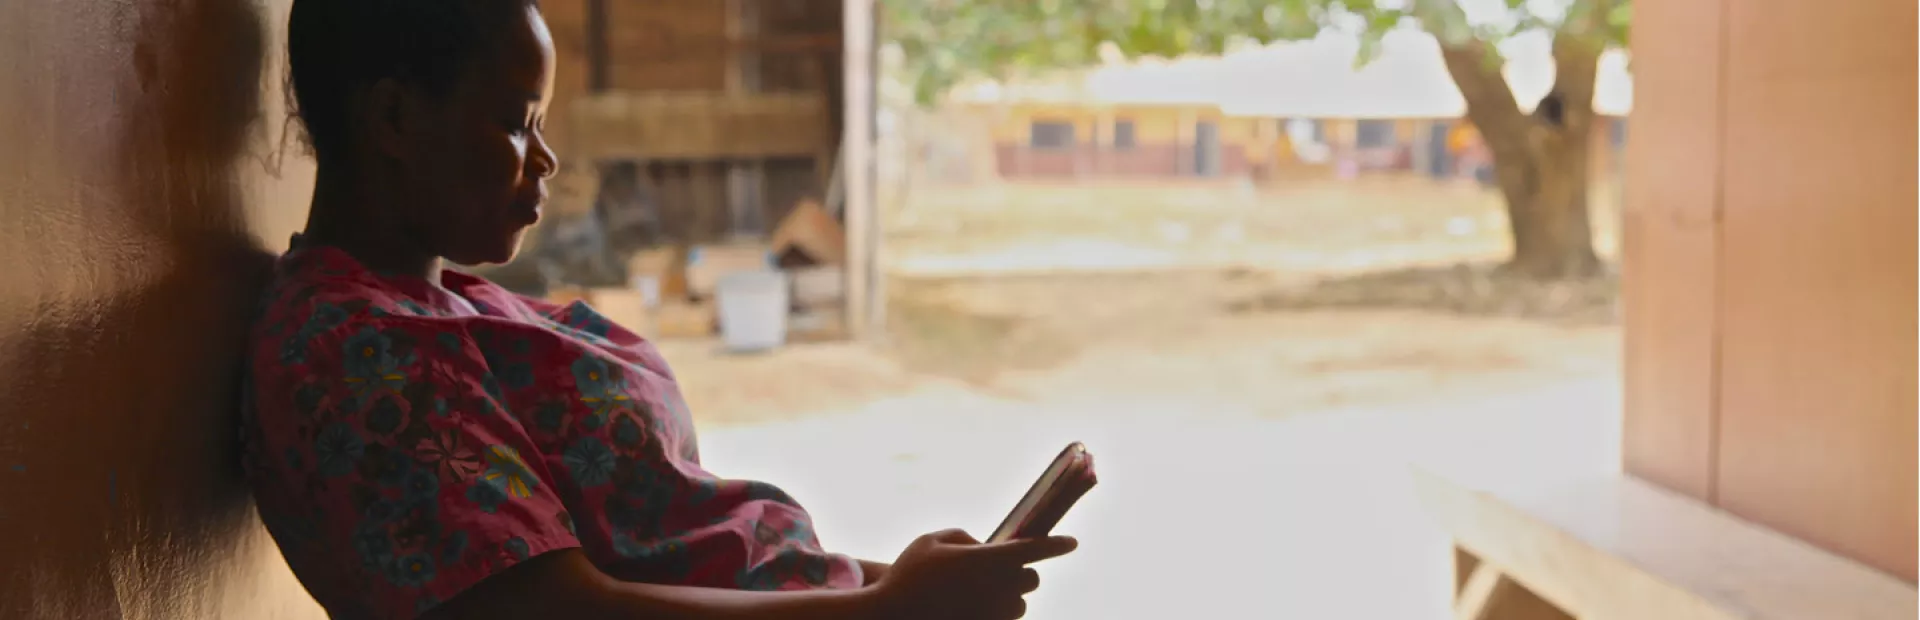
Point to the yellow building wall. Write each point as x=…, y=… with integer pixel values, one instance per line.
x=1408, y=130
x=1341, y=131
x=1151, y=124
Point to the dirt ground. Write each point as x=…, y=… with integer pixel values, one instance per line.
x=1277, y=302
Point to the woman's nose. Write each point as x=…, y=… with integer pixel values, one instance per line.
x=544, y=163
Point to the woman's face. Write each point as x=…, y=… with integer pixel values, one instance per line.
x=477, y=170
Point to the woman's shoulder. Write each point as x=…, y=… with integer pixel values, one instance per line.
x=304, y=319
x=575, y=322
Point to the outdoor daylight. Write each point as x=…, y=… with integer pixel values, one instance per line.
x=1255, y=276
x=960, y=309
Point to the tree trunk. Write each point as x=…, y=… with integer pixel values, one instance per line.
x=1546, y=193
x=1540, y=163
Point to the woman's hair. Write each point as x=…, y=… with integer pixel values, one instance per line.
x=337, y=47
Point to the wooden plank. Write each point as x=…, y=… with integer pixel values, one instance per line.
x=1670, y=247
x=1616, y=547
x=1818, y=373
x=695, y=125
x=666, y=45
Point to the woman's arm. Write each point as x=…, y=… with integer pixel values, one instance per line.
x=564, y=584
x=872, y=572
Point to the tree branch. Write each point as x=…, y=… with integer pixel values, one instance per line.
x=1490, y=103
x=1577, y=46
x=1476, y=71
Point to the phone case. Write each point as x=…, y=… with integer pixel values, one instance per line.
x=1054, y=499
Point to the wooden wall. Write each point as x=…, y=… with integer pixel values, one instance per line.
x=572, y=190
x=807, y=57
x=696, y=46
x=667, y=45
x=149, y=179
x=1770, y=266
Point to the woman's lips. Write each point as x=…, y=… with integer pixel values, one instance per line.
x=530, y=213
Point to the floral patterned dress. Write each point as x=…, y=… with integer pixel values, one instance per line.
x=405, y=441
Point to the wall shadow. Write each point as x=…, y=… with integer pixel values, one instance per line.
x=120, y=408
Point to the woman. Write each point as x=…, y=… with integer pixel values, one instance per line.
x=424, y=443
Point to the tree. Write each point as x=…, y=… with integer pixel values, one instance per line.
x=1540, y=158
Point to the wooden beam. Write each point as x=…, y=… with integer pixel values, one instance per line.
x=865, y=307
x=789, y=43
x=697, y=47
x=699, y=125
x=598, y=66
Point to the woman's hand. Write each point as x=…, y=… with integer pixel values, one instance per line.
x=948, y=575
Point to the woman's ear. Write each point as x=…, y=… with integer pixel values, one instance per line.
x=388, y=110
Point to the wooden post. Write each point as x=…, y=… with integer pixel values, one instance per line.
x=865, y=307
x=599, y=74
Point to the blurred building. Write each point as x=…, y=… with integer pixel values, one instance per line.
x=1285, y=111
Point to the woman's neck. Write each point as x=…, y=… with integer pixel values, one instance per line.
x=354, y=217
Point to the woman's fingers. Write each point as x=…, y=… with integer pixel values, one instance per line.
x=1010, y=590
x=1014, y=610
x=1027, y=551
x=1029, y=581
x=954, y=537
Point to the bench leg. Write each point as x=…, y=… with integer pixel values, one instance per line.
x=1482, y=592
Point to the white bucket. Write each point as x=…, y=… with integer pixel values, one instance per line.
x=753, y=310
x=649, y=288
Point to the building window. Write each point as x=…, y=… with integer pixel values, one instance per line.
x=1372, y=134
x=1123, y=135
x=1050, y=135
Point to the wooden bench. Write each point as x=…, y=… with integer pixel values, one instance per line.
x=1605, y=547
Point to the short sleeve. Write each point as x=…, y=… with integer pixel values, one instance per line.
x=416, y=481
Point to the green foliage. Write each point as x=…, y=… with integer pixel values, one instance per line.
x=945, y=42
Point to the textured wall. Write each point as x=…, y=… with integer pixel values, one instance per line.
x=141, y=188
x=1770, y=275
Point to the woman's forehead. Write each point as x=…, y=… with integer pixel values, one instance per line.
x=522, y=57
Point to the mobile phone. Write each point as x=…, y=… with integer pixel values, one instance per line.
x=1063, y=483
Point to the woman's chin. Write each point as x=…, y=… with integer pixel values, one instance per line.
x=495, y=254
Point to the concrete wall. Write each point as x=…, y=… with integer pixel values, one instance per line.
x=142, y=186
x=1770, y=272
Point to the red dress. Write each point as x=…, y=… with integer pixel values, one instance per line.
x=406, y=441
